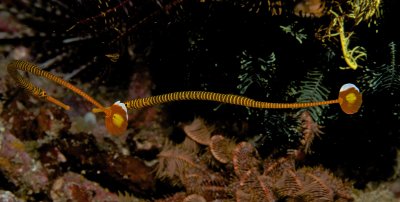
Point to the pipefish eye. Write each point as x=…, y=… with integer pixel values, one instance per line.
x=43, y=94
x=350, y=98
x=117, y=118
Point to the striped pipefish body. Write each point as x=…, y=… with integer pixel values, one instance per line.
x=217, y=97
x=24, y=83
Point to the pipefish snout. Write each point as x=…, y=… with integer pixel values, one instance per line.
x=116, y=116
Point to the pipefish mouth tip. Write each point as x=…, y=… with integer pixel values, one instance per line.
x=97, y=110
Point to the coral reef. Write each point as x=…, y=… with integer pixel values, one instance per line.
x=245, y=177
x=20, y=168
x=74, y=187
x=7, y=196
x=148, y=131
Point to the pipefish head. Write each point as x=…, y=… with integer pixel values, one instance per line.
x=350, y=98
x=116, y=118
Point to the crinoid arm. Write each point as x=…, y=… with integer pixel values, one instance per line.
x=350, y=56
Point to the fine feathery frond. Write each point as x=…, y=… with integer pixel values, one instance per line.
x=245, y=157
x=312, y=89
x=255, y=71
x=221, y=148
x=198, y=131
x=174, y=162
x=385, y=79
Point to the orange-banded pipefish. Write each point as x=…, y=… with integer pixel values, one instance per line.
x=349, y=99
x=116, y=117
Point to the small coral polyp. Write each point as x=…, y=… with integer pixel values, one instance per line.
x=116, y=116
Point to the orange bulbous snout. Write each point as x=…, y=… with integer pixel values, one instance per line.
x=116, y=119
x=350, y=98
